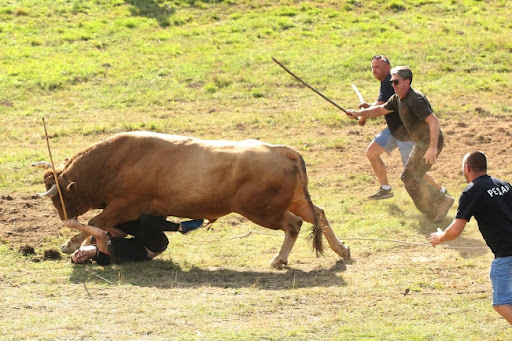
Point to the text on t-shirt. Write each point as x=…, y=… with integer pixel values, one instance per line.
x=498, y=191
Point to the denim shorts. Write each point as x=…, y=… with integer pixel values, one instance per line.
x=501, y=279
x=389, y=143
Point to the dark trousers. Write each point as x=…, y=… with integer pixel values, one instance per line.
x=425, y=196
x=149, y=229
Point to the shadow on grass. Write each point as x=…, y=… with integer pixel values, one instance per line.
x=160, y=11
x=151, y=9
x=467, y=248
x=165, y=274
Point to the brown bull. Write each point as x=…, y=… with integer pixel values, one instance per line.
x=133, y=173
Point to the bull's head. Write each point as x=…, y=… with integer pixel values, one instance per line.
x=68, y=189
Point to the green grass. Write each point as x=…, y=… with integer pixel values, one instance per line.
x=204, y=68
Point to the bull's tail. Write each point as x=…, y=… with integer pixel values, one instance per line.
x=316, y=231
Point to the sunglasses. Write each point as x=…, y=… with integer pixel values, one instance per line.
x=394, y=81
x=381, y=57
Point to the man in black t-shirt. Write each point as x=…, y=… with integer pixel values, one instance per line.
x=423, y=127
x=394, y=136
x=489, y=200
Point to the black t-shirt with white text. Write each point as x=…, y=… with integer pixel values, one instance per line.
x=489, y=200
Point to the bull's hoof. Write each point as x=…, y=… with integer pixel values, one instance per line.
x=278, y=263
x=346, y=253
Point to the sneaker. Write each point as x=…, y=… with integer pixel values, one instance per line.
x=382, y=194
x=442, y=209
x=190, y=225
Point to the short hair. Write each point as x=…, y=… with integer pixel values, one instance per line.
x=477, y=161
x=381, y=57
x=402, y=71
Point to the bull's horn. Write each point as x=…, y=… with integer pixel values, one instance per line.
x=50, y=193
x=42, y=164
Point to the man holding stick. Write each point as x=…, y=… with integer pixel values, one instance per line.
x=423, y=127
x=489, y=200
x=392, y=137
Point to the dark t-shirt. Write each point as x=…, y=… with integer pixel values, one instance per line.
x=395, y=125
x=413, y=109
x=127, y=250
x=489, y=200
x=122, y=250
x=147, y=234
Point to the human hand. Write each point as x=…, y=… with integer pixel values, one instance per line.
x=351, y=113
x=430, y=155
x=435, y=238
x=71, y=223
x=361, y=120
x=363, y=105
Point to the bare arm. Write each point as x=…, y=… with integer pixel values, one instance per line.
x=373, y=111
x=370, y=105
x=431, y=153
x=96, y=232
x=361, y=119
x=451, y=232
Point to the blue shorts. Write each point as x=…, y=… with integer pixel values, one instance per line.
x=389, y=143
x=501, y=279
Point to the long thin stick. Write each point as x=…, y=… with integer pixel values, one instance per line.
x=309, y=86
x=374, y=240
x=54, y=172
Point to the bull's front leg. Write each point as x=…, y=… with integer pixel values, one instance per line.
x=118, y=211
x=103, y=220
x=72, y=244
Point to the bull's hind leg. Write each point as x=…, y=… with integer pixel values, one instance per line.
x=336, y=245
x=303, y=210
x=290, y=224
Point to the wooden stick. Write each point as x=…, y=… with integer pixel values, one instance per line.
x=307, y=85
x=54, y=172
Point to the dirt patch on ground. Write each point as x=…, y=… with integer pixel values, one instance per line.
x=32, y=221
x=27, y=220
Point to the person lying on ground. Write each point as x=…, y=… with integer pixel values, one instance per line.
x=148, y=241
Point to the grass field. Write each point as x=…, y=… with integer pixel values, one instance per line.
x=92, y=68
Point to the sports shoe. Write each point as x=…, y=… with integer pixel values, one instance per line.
x=442, y=209
x=190, y=225
x=382, y=194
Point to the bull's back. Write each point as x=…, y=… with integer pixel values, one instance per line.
x=177, y=174
x=221, y=167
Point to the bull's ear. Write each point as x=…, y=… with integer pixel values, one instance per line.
x=71, y=187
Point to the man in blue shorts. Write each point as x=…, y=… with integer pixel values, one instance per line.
x=423, y=127
x=489, y=200
x=393, y=136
